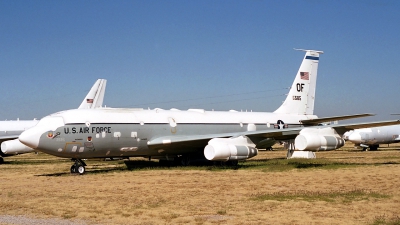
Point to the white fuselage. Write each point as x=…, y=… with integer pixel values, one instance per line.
x=110, y=132
x=375, y=135
x=174, y=116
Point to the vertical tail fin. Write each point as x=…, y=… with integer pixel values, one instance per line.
x=95, y=97
x=301, y=97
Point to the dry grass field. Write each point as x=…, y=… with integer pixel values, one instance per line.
x=346, y=186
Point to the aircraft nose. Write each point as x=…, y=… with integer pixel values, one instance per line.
x=355, y=137
x=30, y=137
x=346, y=135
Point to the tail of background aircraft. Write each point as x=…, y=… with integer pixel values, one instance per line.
x=301, y=97
x=95, y=97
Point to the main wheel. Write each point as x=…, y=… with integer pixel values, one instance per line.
x=73, y=168
x=183, y=160
x=81, y=169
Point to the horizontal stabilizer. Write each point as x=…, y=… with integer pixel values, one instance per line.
x=307, y=50
x=334, y=118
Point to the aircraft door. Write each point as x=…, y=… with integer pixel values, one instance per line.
x=78, y=147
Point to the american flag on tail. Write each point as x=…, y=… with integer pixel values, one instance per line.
x=304, y=75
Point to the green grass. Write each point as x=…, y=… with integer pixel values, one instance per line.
x=311, y=196
x=284, y=164
x=386, y=220
x=274, y=165
x=221, y=212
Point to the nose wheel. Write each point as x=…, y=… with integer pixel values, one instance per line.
x=78, y=166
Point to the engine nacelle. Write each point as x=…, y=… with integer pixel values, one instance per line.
x=317, y=139
x=14, y=147
x=224, y=149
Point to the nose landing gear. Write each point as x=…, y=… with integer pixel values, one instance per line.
x=78, y=166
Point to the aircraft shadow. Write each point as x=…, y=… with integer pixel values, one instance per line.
x=138, y=165
x=201, y=164
x=283, y=163
x=90, y=171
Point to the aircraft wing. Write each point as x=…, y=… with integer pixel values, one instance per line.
x=190, y=141
x=8, y=137
x=334, y=118
x=342, y=128
x=284, y=134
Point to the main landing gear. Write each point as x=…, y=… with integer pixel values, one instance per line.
x=195, y=160
x=78, y=166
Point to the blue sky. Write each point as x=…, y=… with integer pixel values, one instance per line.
x=207, y=54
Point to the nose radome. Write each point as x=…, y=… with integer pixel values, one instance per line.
x=355, y=137
x=31, y=137
x=346, y=135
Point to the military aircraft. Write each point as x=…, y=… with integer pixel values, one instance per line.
x=186, y=135
x=372, y=137
x=10, y=130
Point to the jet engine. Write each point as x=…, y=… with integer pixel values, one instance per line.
x=316, y=139
x=224, y=149
x=14, y=147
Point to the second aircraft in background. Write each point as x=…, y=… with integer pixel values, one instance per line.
x=374, y=136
